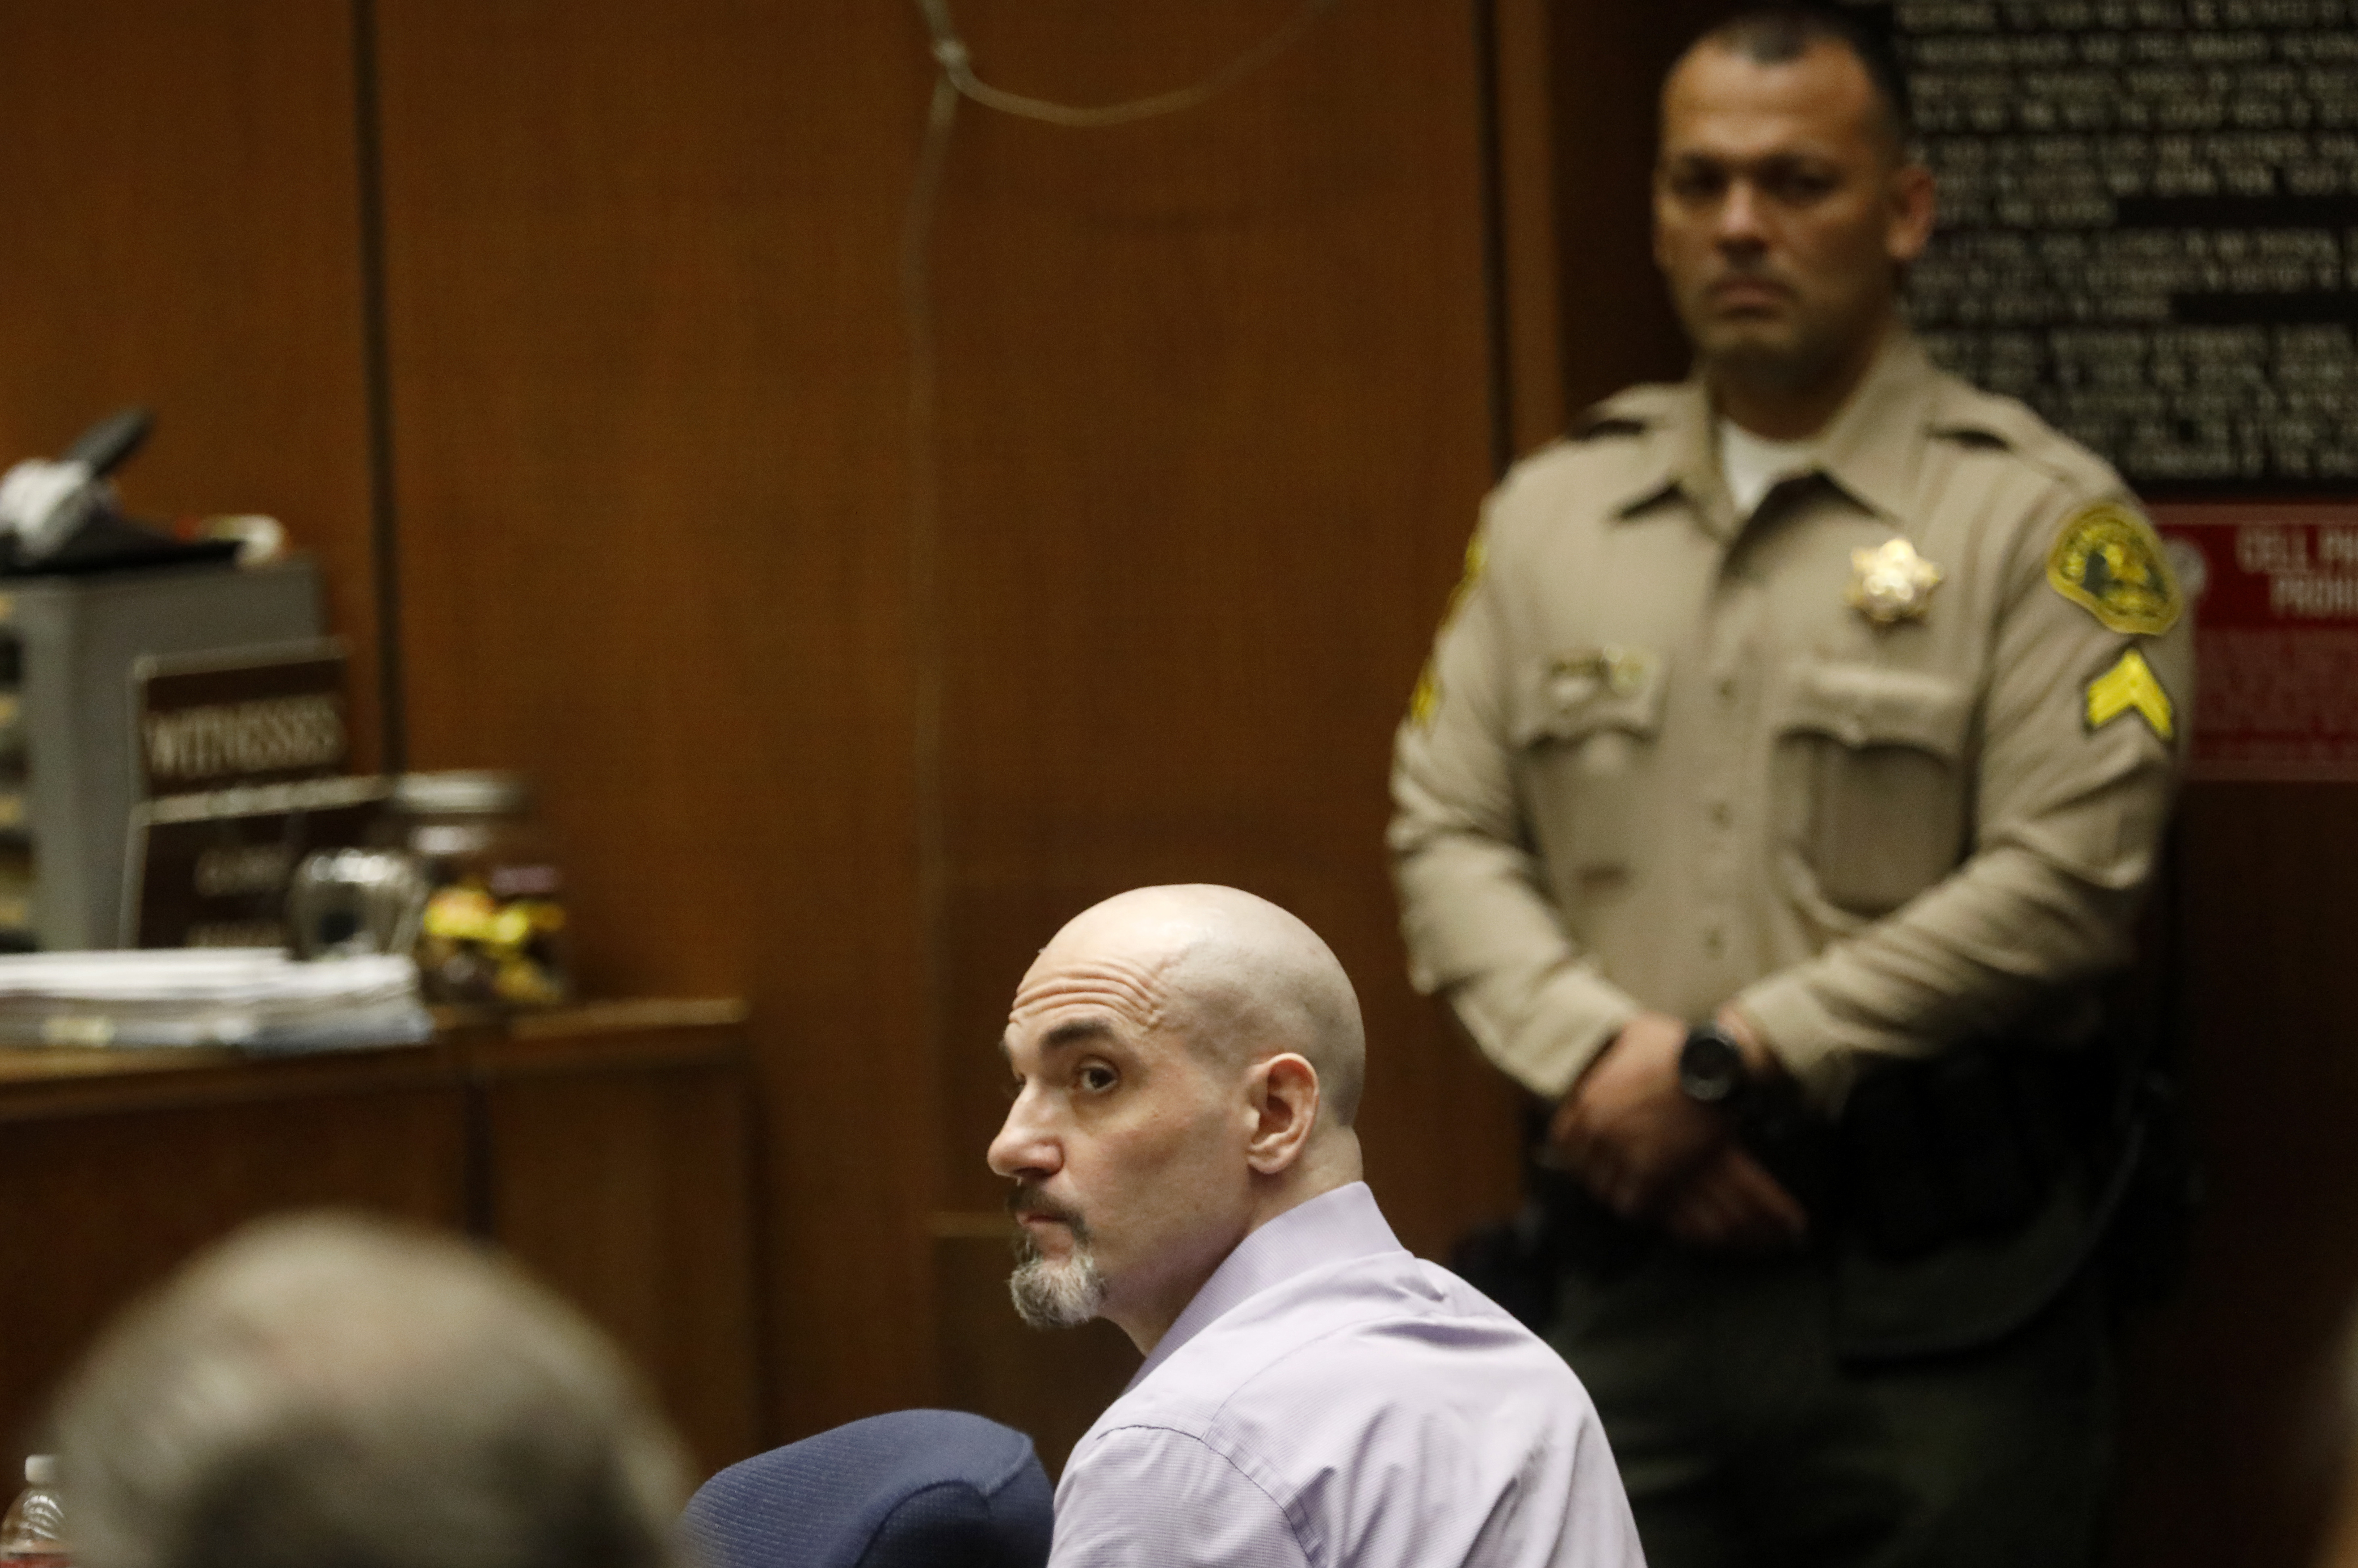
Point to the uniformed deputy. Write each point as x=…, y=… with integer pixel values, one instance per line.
x=1789, y=765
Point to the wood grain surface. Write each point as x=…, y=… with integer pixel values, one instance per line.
x=616, y=1163
x=177, y=186
x=2238, y=1392
x=648, y=388
x=624, y=1178
x=1607, y=67
x=110, y=1189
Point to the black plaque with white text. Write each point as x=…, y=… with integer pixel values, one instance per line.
x=2149, y=227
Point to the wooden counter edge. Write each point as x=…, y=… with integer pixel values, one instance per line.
x=41, y=1081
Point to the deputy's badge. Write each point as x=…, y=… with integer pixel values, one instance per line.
x=1891, y=583
x=2109, y=560
x=2131, y=686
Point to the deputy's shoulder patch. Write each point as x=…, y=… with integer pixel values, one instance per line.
x=2131, y=686
x=1478, y=560
x=2109, y=560
x=1426, y=701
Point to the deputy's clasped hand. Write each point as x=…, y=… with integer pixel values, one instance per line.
x=1646, y=1150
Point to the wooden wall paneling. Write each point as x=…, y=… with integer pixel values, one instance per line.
x=621, y=1173
x=1213, y=430
x=649, y=398
x=1529, y=221
x=2231, y=1438
x=108, y=1188
x=182, y=232
x=1607, y=67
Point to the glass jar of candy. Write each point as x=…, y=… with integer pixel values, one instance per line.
x=493, y=928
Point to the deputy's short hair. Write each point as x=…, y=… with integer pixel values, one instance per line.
x=1779, y=33
x=332, y=1392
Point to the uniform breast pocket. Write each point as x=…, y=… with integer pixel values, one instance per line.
x=1583, y=731
x=1871, y=782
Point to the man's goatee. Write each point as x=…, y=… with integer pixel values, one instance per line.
x=1049, y=1293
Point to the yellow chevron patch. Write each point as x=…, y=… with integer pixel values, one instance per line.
x=2131, y=686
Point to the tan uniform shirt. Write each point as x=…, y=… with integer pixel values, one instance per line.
x=1661, y=761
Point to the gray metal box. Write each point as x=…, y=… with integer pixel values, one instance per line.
x=79, y=638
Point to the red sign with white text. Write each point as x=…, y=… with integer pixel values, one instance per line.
x=2275, y=590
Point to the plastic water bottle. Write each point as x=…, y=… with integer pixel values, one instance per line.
x=34, y=1533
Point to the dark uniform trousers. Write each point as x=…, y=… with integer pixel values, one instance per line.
x=1747, y=1439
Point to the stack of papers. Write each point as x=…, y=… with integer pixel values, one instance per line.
x=255, y=998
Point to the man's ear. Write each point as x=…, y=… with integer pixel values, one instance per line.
x=1284, y=1097
x=1914, y=202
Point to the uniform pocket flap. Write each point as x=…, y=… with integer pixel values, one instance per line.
x=1862, y=706
x=1576, y=694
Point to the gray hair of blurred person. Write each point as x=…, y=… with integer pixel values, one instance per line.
x=325, y=1391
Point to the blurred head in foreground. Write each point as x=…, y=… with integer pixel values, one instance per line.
x=332, y=1392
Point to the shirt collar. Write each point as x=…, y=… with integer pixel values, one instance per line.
x=1871, y=447
x=1867, y=449
x=1332, y=1227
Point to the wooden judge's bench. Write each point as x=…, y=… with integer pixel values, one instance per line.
x=608, y=1147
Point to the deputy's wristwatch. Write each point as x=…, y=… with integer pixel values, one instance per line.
x=1710, y=1068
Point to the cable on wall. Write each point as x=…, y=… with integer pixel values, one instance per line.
x=376, y=368
x=956, y=78
x=958, y=70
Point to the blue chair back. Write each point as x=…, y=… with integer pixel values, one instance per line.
x=912, y=1489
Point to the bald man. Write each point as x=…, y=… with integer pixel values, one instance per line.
x=1187, y=1064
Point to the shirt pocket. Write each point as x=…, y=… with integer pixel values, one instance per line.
x=1871, y=784
x=1583, y=731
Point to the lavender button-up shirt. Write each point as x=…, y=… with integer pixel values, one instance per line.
x=1327, y=1399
